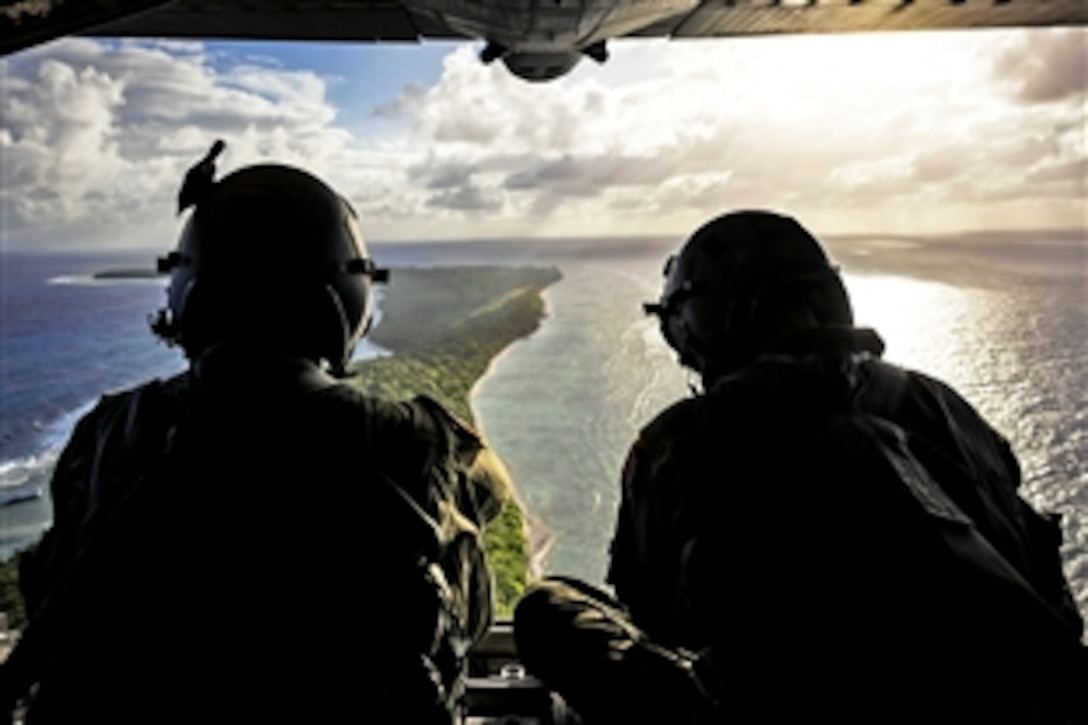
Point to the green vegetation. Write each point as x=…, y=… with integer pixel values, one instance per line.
x=446, y=325
x=10, y=599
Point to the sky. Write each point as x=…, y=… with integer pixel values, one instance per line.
x=904, y=133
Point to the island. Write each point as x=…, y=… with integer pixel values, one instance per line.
x=444, y=326
x=128, y=273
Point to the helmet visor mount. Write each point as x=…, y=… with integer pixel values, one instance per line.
x=672, y=313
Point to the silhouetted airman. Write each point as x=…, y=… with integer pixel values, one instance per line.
x=818, y=536
x=255, y=540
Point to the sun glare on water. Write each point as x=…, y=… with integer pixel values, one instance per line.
x=925, y=325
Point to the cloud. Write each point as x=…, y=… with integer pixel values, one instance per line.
x=485, y=107
x=401, y=105
x=1064, y=177
x=103, y=132
x=588, y=174
x=858, y=131
x=850, y=123
x=60, y=139
x=447, y=174
x=1048, y=72
x=467, y=198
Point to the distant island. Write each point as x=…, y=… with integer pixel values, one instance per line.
x=444, y=325
x=129, y=273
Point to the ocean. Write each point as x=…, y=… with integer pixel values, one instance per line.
x=1002, y=318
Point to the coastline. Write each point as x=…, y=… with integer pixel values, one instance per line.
x=540, y=538
x=448, y=328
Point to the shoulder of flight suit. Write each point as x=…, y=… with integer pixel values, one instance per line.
x=98, y=435
x=107, y=431
x=410, y=439
x=641, y=567
x=679, y=419
x=933, y=410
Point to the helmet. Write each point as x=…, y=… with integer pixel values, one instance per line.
x=270, y=257
x=732, y=276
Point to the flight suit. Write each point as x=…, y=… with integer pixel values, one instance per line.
x=785, y=586
x=253, y=540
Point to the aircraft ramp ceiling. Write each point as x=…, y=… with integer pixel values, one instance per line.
x=24, y=23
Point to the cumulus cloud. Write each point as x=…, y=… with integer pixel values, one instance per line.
x=588, y=174
x=467, y=198
x=401, y=105
x=859, y=131
x=1056, y=70
x=853, y=124
x=446, y=174
x=103, y=132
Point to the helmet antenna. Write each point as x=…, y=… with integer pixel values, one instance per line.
x=200, y=178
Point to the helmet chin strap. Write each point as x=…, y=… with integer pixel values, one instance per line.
x=338, y=368
x=693, y=356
